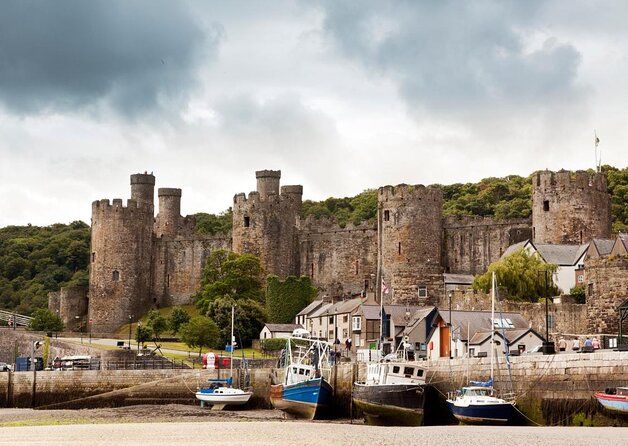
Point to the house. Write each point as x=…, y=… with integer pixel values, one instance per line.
x=332, y=321
x=458, y=333
x=568, y=259
x=620, y=246
x=597, y=248
x=414, y=323
x=301, y=317
x=278, y=331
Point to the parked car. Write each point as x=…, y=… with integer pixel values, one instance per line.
x=4, y=367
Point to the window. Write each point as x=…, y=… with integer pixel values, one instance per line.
x=546, y=205
x=115, y=276
x=357, y=323
x=422, y=291
x=551, y=320
x=93, y=257
x=580, y=278
x=396, y=369
x=590, y=290
x=330, y=334
x=399, y=248
x=386, y=215
x=331, y=319
x=344, y=333
x=503, y=323
x=419, y=372
x=345, y=318
x=408, y=371
x=247, y=221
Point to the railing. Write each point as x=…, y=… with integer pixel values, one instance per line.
x=19, y=319
x=148, y=363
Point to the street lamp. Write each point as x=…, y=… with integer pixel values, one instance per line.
x=130, y=317
x=548, y=347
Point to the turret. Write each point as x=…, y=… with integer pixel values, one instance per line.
x=143, y=188
x=268, y=182
x=168, y=220
x=570, y=208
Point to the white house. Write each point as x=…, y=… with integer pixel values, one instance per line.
x=568, y=258
x=277, y=331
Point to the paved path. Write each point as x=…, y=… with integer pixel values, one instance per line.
x=303, y=433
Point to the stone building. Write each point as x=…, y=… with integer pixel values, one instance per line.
x=139, y=260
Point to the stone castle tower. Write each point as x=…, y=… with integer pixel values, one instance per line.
x=570, y=208
x=139, y=261
x=264, y=224
x=121, y=250
x=410, y=221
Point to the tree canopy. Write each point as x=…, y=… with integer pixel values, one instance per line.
x=46, y=320
x=214, y=224
x=229, y=275
x=520, y=276
x=200, y=332
x=362, y=207
x=37, y=260
x=249, y=320
x=177, y=318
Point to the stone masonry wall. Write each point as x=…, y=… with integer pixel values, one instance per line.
x=570, y=208
x=471, y=244
x=410, y=230
x=68, y=303
x=338, y=260
x=178, y=264
x=607, y=288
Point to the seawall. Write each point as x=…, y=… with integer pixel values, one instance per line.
x=550, y=389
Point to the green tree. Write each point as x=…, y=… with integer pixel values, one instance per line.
x=285, y=298
x=578, y=294
x=157, y=323
x=177, y=318
x=229, y=275
x=249, y=320
x=46, y=320
x=214, y=224
x=142, y=334
x=520, y=275
x=200, y=332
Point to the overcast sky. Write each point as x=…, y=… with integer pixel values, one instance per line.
x=340, y=96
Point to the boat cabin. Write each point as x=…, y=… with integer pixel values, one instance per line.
x=395, y=373
x=300, y=372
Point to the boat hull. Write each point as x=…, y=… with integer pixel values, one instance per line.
x=390, y=404
x=498, y=413
x=613, y=403
x=223, y=396
x=306, y=400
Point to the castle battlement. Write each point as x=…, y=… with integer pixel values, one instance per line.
x=565, y=180
x=325, y=224
x=104, y=206
x=469, y=221
x=402, y=192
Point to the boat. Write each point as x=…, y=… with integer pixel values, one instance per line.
x=614, y=399
x=305, y=391
x=478, y=402
x=393, y=393
x=220, y=392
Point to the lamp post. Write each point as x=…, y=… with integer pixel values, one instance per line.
x=548, y=347
x=130, y=317
x=450, y=324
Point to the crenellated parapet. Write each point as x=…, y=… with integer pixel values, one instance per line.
x=311, y=223
x=570, y=207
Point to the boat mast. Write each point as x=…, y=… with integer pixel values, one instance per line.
x=231, y=359
x=493, y=284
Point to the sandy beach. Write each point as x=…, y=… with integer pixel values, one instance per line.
x=191, y=425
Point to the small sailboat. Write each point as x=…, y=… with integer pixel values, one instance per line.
x=220, y=392
x=305, y=391
x=477, y=403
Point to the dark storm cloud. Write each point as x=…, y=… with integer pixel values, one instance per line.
x=66, y=54
x=447, y=55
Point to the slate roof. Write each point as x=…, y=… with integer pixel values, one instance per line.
x=512, y=335
x=514, y=248
x=460, y=279
x=283, y=328
x=311, y=307
x=561, y=254
x=603, y=246
x=473, y=322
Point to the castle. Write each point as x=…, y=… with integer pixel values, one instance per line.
x=139, y=261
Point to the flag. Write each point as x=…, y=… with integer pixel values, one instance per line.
x=384, y=287
x=597, y=140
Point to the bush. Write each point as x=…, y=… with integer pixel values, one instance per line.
x=272, y=345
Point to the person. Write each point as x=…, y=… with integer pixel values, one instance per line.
x=576, y=345
x=587, y=343
x=562, y=344
x=596, y=343
x=347, y=344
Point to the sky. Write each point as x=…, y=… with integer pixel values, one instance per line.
x=341, y=96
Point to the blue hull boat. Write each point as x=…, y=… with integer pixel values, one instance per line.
x=485, y=413
x=306, y=399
